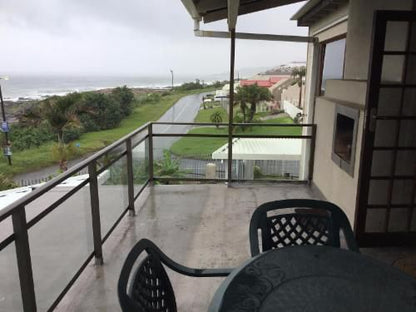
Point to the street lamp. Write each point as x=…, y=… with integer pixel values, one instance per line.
x=171, y=73
x=5, y=128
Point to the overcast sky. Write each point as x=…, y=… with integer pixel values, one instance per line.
x=134, y=37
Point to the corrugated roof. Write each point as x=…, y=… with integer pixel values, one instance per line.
x=262, y=149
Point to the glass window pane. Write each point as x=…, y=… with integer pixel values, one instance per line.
x=398, y=219
x=411, y=70
x=413, y=38
x=378, y=191
x=407, y=136
x=389, y=102
x=333, y=67
x=402, y=192
x=385, y=135
x=409, y=104
x=396, y=36
x=392, y=71
x=381, y=164
x=405, y=162
x=375, y=220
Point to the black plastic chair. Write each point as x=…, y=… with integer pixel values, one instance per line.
x=150, y=289
x=312, y=222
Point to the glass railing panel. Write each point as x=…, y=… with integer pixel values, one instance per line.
x=189, y=158
x=268, y=152
x=59, y=244
x=140, y=165
x=10, y=295
x=113, y=193
x=40, y=204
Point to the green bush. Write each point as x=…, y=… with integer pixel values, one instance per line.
x=27, y=137
x=6, y=183
x=72, y=134
x=102, y=111
x=124, y=97
x=257, y=172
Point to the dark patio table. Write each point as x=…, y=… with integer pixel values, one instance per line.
x=315, y=278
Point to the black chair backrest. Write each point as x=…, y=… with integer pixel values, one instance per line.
x=150, y=289
x=313, y=222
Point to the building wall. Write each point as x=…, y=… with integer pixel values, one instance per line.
x=291, y=94
x=355, y=20
x=360, y=25
x=334, y=183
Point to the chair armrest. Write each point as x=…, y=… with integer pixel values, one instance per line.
x=183, y=269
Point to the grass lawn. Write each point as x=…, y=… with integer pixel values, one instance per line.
x=36, y=158
x=205, y=114
x=203, y=147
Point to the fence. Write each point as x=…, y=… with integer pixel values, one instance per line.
x=58, y=228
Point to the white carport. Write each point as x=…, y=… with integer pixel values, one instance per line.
x=282, y=156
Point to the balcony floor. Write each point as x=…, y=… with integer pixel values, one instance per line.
x=196, y=225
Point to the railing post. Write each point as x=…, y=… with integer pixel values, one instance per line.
x=312, y=155
x=95, y=213
x=231, y=107
x=24, y=262
x=150, y=132
x=130, y=177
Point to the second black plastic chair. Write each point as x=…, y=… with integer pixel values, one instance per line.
x=310, y=222
x=149, y=289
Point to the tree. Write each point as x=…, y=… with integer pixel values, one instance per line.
x=100, y=112
x=61, y=113
x=297, y=74
x=124, y=96
x=249, y=97
x=62, y=152
x=216, y=117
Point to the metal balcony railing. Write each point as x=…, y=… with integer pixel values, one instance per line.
x=121, y=156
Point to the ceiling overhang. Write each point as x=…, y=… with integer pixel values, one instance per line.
x=315, y=10
x=214, y=10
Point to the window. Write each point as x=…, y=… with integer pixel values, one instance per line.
x=344, y=141
x=333, y=62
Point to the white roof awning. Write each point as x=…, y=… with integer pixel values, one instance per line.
x=262, y=149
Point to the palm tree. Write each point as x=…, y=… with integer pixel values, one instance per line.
x=216, y=118
x=61, y=113
x=297, y=74
x=252, y=95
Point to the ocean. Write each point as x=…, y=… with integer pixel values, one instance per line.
x=27, y=87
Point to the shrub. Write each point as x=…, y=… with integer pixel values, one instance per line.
x=257, y=172
x=30, y=136
x=6, y=182
x=124, y=97
x=100, y=112
x=72, y=134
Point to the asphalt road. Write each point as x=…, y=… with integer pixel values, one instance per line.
x=185, y=110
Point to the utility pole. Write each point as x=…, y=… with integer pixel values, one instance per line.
x=5, y=128
x=173, y=107
x=171, y=72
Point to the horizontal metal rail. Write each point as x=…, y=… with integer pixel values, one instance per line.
x=202, y=135
x=234, y=124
